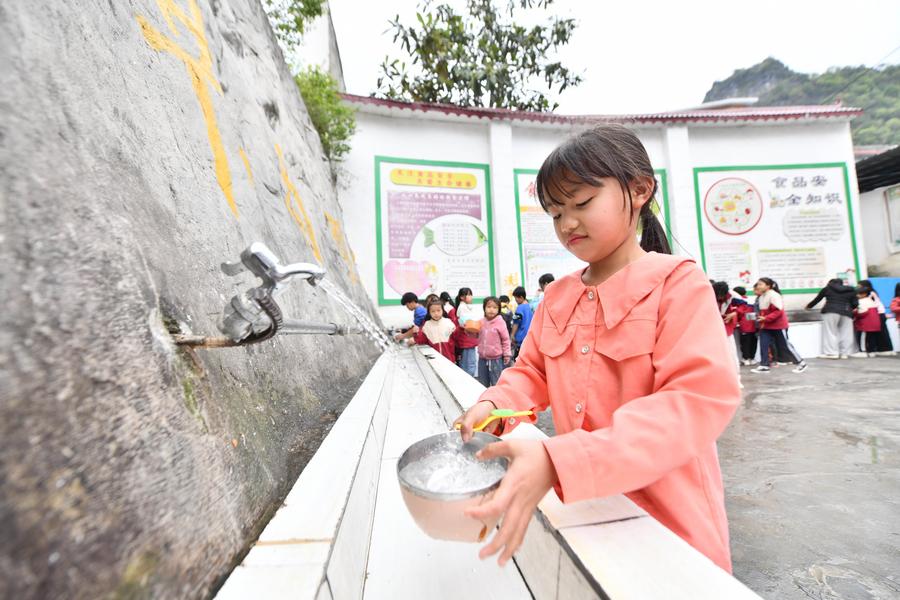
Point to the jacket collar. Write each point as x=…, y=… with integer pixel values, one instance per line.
x=618, y=294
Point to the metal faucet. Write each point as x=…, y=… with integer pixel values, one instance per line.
x=253, y=316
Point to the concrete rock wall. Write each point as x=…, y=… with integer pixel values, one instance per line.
x=142, y=143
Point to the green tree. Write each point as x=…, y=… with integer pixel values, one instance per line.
x=334, y=120
x=479, y=57
x=289, y=19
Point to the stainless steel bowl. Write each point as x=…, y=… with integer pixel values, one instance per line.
x=441, y=515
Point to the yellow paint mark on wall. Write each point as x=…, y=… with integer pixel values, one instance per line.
x=246, y=163
x=337, y=234
x=292, y=198
x=200, y=71
x=433, y=178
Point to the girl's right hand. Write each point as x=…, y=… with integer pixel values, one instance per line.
x=477, y=413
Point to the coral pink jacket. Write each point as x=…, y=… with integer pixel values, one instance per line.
x=641, y=380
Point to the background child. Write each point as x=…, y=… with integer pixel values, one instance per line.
x=866, y=324
x=438, y=331
x=895, y=304
x=883, y=344
x=521, y=319
x=467, y=343
x=728, y=308
x=507, y=313
x=543, y=281
x=411, y=301
x=837, y=318
x=746, y=328
x=449, y=308
x=640, y=387
x=773, y=322
x=493, y=343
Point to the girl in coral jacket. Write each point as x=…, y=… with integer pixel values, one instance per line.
x=639, y=387
x=438, y=331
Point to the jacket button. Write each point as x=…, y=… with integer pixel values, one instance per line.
x=512, y=421
x=579, y=408
x=585, y=349
x=590, y=295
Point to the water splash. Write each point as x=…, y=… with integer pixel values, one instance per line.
x=369, y=327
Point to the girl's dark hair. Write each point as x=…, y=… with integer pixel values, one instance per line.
x=446, y=297
x=720, y=288
x=897, y=290
x=436, y=301
x=740, y=290
x=866, y=284
x=605, y=150
x=771, y=283
x=493, y=299
x=462, y=293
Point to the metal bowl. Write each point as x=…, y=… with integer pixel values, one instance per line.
x=441, y=514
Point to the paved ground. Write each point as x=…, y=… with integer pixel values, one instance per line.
x=812, y=475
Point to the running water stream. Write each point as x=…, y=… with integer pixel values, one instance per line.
x=369, y=327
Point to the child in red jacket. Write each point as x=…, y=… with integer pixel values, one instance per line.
x=438, y=331
x=867, y=324
x=746, y=328
x=773, y=322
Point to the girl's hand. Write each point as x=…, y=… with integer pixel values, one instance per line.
x=507, y=360
x=477, y=413
x=530, y=476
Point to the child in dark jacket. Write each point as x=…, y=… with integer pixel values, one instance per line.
x=837, y=318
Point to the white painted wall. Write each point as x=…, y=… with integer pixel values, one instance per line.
x=879, y=246
x=507, y=145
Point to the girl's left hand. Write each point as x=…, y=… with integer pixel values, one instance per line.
x=530, y=476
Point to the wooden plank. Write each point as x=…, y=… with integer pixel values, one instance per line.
x=639, y=559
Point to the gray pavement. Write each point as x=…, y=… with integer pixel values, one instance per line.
x=812, y=477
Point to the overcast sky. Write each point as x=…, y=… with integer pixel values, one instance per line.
x=645, y=56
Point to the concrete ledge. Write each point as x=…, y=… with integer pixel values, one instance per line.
x=607, y=547
x=323, y=528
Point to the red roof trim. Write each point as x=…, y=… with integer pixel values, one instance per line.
x=752, y=113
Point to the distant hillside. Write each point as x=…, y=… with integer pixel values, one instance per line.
x=877, y=91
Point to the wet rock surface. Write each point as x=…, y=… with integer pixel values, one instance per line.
x=143, y=143
x=812, y=480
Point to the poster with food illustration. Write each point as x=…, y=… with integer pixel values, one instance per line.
x=540, y=250
x=433, y=228
x=733, y=206
x=793, y=223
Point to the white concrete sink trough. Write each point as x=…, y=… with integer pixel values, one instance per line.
x=344, y=532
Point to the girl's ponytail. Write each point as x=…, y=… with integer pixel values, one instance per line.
x=653, y=236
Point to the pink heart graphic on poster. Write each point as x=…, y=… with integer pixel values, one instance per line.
x=407, y=276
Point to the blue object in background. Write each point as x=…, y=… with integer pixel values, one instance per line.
x=884, y=287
